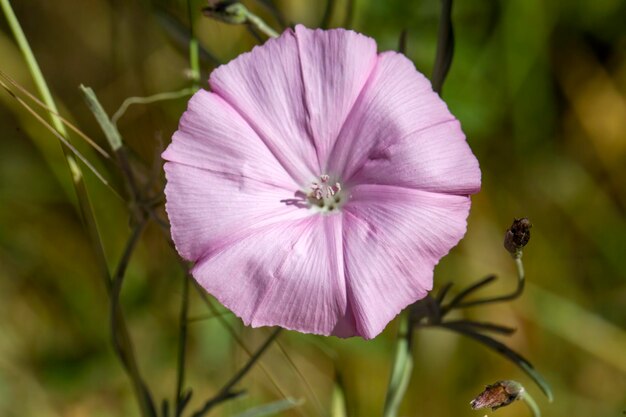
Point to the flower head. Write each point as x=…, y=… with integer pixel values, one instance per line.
x=318, y=184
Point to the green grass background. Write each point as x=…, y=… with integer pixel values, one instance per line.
x=540, y=88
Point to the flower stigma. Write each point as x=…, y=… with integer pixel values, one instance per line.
x=325, y=196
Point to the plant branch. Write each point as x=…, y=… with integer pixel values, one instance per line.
x=402, y=367
x=227, y=390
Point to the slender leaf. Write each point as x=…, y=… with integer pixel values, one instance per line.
x=476, y=325
x=511, y=355
x=445, y=46
x=110, y=130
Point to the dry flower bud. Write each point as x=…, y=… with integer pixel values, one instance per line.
x=517, y=236
x=498, y=395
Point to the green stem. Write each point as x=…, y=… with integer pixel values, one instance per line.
x=120, y=336
x=182, y=346
x=80, y=187
x=75, y=171
x=170, y=95
x=33, y=66
x=258, y=23
x=402, y=367
x=180, y=400
x=530, y=402
x=227, y=391
x=194, y=50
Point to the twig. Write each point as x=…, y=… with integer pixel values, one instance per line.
x=170, y=95
x=67, y=145
x=182, y=346
x=463, y=294
x=507, y=297
x=227, y=390
x=41, y=104
x=119, y=333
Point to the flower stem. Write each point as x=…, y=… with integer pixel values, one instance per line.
x=530, y=402
x=259, y=24
x=521, y=281
x=75, y=171
x=182, y=347
x=402, y=367
x=194, y=50
x=227, y=391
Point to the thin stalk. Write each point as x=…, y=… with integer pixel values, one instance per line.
x=170, y=95
x=180, y=399
x=33, y=66
x=227, y=390
x=402, y=367
x=320, y=408
x=41, y=104
x=67, y=144
x=259, y=24
x=75, y=170
x=182, y=346
x=73, y=166
x=269, y=5
x=531, y=403
x=521, y=280
x=119, y=332
x=463, y=294
x=229, y=328
x=207, y=316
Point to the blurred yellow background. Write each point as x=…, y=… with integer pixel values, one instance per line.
x=540, y=89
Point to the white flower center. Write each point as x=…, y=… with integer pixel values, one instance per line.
x=325, y=196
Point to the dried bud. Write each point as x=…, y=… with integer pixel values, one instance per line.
x=498, y=395
x=228, y=11
x=517, y=236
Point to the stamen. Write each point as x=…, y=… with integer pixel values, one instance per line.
x=324, y=195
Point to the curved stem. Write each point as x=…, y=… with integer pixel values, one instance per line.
x=259, y=24
x=530, y=402
x=227, y=391
x=521, y=280
x=402, y=368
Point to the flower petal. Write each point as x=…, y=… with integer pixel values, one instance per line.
x=206, y=208
x=213, y=136
x=393, y=238
x=335, y=66
x=435, y=159
x=397, y=108
x=265, y=87
x=289, y=274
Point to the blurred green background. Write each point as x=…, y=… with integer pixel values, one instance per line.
x=540, y=88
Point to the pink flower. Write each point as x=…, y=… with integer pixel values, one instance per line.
x=318, y=184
